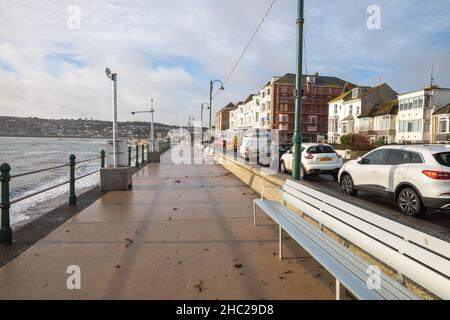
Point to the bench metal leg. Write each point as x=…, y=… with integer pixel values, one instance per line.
x=338, y=290
x=254, y=214
x=280, y=245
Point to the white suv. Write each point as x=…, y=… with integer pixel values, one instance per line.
x=416, y=177
x=316, y=159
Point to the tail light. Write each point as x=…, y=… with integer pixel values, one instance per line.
x=437, y=175
x=309, y=156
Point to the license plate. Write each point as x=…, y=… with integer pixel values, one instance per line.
x=326, y=159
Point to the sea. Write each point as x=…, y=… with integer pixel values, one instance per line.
x=31, y=154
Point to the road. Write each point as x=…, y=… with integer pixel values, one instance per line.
x=434, y=223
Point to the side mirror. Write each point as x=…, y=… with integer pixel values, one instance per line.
x=360, y=160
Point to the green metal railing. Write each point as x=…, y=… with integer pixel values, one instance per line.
x=6, y=236
x=164, y=145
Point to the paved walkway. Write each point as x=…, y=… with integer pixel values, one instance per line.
x=183, y=232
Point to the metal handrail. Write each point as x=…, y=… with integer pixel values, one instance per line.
x=31, y=195
x=50, y=169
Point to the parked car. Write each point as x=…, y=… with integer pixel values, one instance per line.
x=316, y=159
x=251, y=146
x=417, y=177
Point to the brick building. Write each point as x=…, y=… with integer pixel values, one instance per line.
x=223, y=117
x=317, y=92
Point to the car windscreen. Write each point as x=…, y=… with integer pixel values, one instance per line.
x=321, y=150
x=443, y=158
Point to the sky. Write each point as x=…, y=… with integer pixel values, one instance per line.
x=52, y=60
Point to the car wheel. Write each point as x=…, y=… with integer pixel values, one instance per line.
x=283, y=167
x=347, y=185
x=410, y=203
x=303, y=172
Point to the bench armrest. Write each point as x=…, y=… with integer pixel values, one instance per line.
x=269, y=187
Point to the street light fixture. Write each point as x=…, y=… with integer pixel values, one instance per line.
x=211, y=89
x=113, y=77
x=152, y=135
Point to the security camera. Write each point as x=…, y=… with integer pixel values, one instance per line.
x=108, y=72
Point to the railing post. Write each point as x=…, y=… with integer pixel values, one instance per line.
x=103, y=155
x=137, y=156
x=72, y=195
x=129, y=156
x=143, y=154
x=5, y=231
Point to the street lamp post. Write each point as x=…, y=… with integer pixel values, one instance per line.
x=297, y=139
x=201, y=117
x=152, y=134
x=113, y=77
x=211, y=89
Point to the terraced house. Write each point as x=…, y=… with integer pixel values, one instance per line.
x=364, y=110
x=416, y=111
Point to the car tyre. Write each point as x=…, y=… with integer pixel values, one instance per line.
x=283, y=167
x=335, y=177
x=410, y=203
x=347, y=185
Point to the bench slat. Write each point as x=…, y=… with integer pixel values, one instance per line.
x=426, y=257
x=390, y=289
x=425, y=277
x=390, y=286
x=431, y=243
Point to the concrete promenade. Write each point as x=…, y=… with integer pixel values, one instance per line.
x=183, y=232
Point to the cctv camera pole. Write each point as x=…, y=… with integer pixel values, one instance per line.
x=114, y=84
x=152, y=132
x=297, y=139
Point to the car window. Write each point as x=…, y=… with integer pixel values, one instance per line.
x=443, y=158
x=396, y=157
x=375, y=158
x=321, y=150
x=415, y=158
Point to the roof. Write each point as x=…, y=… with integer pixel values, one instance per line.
x=443, y=110
x=384, y=108
x=349, y=118
x=249, y=98
x=347, y=96
x=229, y=106
x=325, y=81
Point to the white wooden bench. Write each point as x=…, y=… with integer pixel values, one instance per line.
x=413, y=254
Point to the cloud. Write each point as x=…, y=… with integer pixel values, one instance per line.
x=169, y=50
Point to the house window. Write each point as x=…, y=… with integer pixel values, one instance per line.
x=358, y=111
x=344, y=128
x=283, y=118
x=443, y=125
x=283, y=89
x=350, y=110
x=284, y=107
x=384, y=123
x=312, y=123
x=268, y=92
x=335, y=109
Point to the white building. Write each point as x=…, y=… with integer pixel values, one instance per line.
x=414, y=121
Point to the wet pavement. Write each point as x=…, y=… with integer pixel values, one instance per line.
x=183, y=232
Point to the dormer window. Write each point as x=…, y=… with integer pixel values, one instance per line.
x=355, y=93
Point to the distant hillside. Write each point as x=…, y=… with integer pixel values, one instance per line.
x=82, y=128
